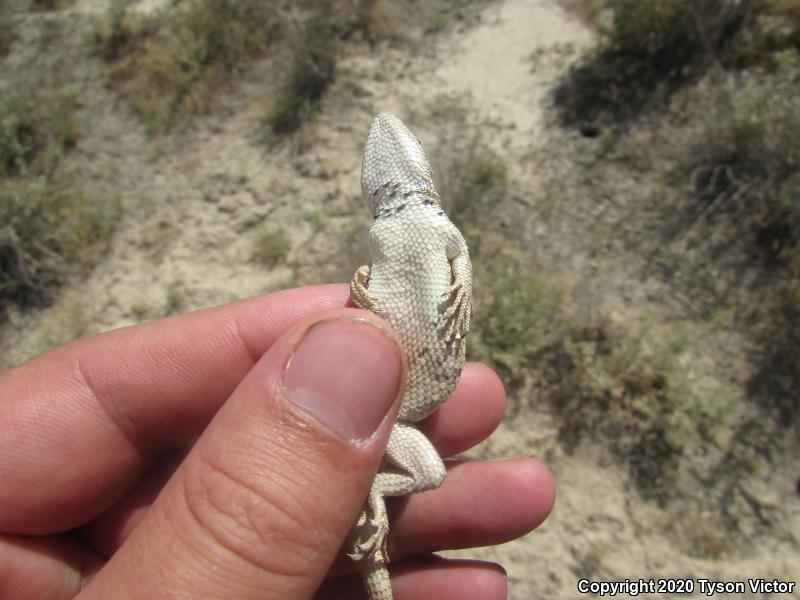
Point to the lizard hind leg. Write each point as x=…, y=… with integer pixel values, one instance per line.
x=419, y=465
x=416, y=467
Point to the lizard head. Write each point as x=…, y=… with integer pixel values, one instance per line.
x=394, y=164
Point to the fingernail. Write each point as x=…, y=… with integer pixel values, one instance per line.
x=345, y=373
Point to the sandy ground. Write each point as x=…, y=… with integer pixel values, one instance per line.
x=194, y=200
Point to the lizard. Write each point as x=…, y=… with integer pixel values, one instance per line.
x=420, y=281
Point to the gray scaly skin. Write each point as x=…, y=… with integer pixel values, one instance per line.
x=420, y=280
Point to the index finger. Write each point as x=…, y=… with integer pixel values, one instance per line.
x=123, y=397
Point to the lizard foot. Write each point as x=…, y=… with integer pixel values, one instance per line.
x=359, y=291
x=456, y=316
x=372, y=542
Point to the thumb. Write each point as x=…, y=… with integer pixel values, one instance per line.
x=262, y=503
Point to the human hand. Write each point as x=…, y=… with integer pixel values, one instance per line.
x=211, y=455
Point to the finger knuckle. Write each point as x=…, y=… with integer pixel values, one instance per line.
x=263, y=520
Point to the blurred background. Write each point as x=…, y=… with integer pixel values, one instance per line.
x=625, y=172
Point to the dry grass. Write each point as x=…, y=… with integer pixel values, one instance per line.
x=36, y=128
x=173, y=64
x=747, y=167
x=51, y=230
x=7, y=31
x=655, y=47
x=715, y=213
x=615, y=389
x=311, y=71
x=50, y=4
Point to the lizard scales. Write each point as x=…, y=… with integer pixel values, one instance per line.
x=420, y=280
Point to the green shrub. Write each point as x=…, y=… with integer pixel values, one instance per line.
x=747, y=165
x=175, y=297
x=117, y=33
x=316, y=219
x=7, y=31
x=176, y=62
x=612, y=389
x=271, y=247
x=652, y=48
x=35, y=128
x=312, y=70
x=49, y=4
x=476, y=182
x=518, y=312
x=776, y=378
x=774, y=26
x=50, y=230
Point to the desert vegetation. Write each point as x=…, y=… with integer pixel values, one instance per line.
x=719, y=80
x=52, y=227
x=173, y=63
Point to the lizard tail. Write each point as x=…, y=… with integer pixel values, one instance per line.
x=376, y=580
